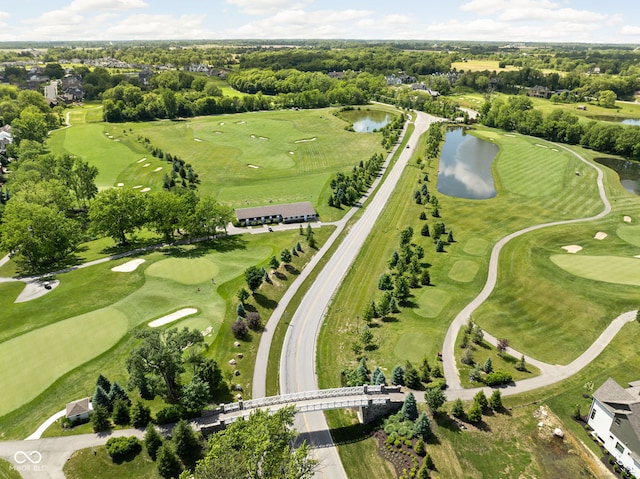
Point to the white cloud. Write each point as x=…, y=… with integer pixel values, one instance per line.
x=490, y=7
x=93, y=5
x=630, y=30
x=158, y=27
x=266, y=7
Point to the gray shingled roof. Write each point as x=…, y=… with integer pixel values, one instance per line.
x=612, y=392
x=78, y=407
x=286, y=210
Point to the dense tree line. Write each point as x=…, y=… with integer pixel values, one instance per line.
x=347, y=189
x=518, y=114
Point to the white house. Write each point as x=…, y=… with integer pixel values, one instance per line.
x=615, y=419
x=5, y=139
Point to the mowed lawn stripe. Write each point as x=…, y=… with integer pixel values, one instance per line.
x=612, y=269
x=33, y=361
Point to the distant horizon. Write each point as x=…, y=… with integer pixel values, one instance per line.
x=516, y=21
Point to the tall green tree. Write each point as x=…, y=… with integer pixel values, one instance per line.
x=158, y=358
x=117, y=212
x=435, y=398
x=253, y=276
x=152, y=441
x=259, y=447
x=185, y=440
x=409, y=407
x=168, y=463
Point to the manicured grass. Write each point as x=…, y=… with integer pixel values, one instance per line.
x=243, y=159
x=7, y=470
x=630, y=234
x=611, y=269
x=95, y=462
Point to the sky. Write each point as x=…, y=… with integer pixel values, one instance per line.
x=583, y=21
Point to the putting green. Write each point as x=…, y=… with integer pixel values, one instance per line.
x=464, y=271
x=432, y=301
x=630, y=234
x=32, y=362
x=610, y=269
x=476, y=246
x=411, y=346
x=184, y=270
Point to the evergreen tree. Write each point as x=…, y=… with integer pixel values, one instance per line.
x=378, y=378
x=488, y=366
x=423, y=472
x=481, y=399
x=285, y=256
x=439, y=247
x=419, y=447
x=425, y=370
x=100, y=419
x=423, y=216
x=274, y=263
x=450, y=237
x=168, y=463
x=185, y=440
x=241, y=311
x=294, y=251
x=299, y=247
x=140, y=415
x=369, y=312
x=384, y=282
x=104, y=383
x=152, y=441
x=393, y=307
x=397, y=376
x=435, y=398
x=395, y=257
x=477, y=335
x=474, y=374
x=242, y=295
x=411, y=376
x=101, y=398
x=474, y=414
x=457, y=409
x=425, y=230
x=495, y=400
x=521, y=365
x=409, y=407
x=117, y=392
x=422, y=426
x=121, y=414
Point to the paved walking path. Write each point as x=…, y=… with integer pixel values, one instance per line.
x=549, y=374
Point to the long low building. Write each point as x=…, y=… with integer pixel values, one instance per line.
x=285, y=213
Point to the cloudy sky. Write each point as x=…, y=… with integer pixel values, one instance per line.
x=590, y=21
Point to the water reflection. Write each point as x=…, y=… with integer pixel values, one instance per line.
x=628, y=171
x=465, y=166
x=372, y=121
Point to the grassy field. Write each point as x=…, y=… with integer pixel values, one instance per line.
x=536, y=183
x=243, y=159
x=7, y=471
x=95, y=462
x=481, y=65
x=94, y=321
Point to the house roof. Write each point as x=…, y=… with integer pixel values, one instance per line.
x=613, y=394
x=81, y=406
x=286, y=210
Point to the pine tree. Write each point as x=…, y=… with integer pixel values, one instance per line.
x=457, y=409
x=100, y=419
x=185, y=440
x=118, y=392
x=422, y=426
x=378, y=378
x=101, y=398
x=397, y=376
x=121, y=415
x=140, y=415
x=488, y=366
x=274, y=263
x=152, y=441
x=481, y=400
x=168, y=463
x=425, y=230
x=495, y=400
x=104, y=383
x=409, y=407
x=411, y=376
x=240, y=310
x=475, y=413
x=419, y=447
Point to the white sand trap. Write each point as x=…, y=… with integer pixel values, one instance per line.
x=120, y=184
x=541, y=146
x=627, y=219
x=207, y=331
x=142, y=159
x=600, y=235
x=509, y=134
x=572, y=248
x=146, y=165
x=110, y=137
x=159, y=168
x=554, y=149
x=197, y=139
x=304, y=141
x=170, y=318
x=117, y=139
x=138, y=186
x=241, y=122
x=252, y=136
x=637, y=256
x=222, y=123
x=128, y=267
x=253, y=166
x=291, y=153
x=144, y=190
x=34, y=289
x=264, y=138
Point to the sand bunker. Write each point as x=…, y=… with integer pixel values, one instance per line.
x=222, y=123
x=627, y=219
x=509, y=134
x=128, y=267
x=241, y=122
x=146, y=165
x=304, y=141
x=554, y=149
x=572, y=248
x=264, y=138
x=159, y=168
x=34, y=289
x=197, y=139
x=144, y=190
x=142, y=159
x=253, y=166
x=170, y=318
x=600, y=235
x=120, y=184
x=117, y=139
x=291, y=153
x=138, y=186
x=541, y=146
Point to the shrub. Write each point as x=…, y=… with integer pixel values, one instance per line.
x=611, y=460
x=239, y=328
x=419, y=447
x=253, y=320
x=121, y=448
x=169, y=414
x=497, y=378
x=457, y=409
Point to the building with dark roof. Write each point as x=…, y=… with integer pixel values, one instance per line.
x=80, y=409
x=285, y=213
x=615, y=419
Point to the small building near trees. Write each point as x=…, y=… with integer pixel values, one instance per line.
x=615, y=419
x=285, y=213
x=79, y=410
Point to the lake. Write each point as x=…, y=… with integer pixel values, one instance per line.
x=368, y=121
x=465, y=166
x=628, y=171
x=617, y=119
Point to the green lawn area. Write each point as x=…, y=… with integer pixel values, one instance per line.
x=38, y=335
x=544, y=311
x=244, y=159
x=7, y=471
x=95, y=462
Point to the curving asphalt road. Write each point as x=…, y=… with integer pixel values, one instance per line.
x=298, y=357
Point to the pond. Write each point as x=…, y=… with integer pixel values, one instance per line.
x=617, y=119
x=628, y=171
x=368, y=121
x=465, y=166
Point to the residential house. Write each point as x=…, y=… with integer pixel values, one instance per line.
x=5, y=139
x=144, y=77
x=615, y=419
x=286, y=213
x=539, y=91
x=72, y=89
x=79, y=410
